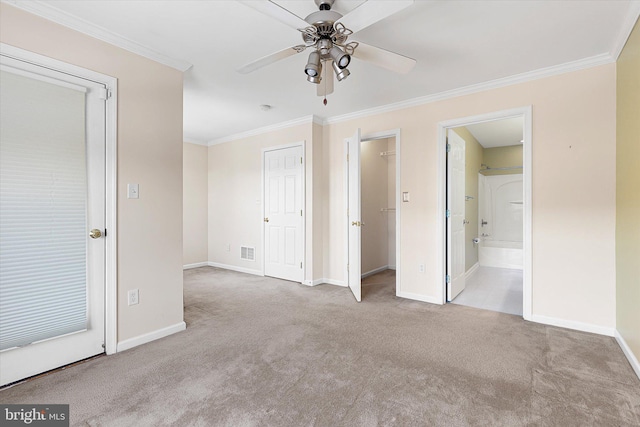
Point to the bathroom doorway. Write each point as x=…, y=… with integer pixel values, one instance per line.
x=487, y=193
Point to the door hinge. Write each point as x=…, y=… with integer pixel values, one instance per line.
x=448, y=148
x=347, y=267
x=300, y=212
x=447, y=213
x=447, y=279
x=300, y=265
x=347, y=157
x=300, y=160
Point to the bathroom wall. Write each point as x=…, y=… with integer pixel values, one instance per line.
x=503, y=157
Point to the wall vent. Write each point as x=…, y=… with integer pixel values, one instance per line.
x=247, y=253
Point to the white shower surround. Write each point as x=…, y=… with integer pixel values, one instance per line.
x=501, y=206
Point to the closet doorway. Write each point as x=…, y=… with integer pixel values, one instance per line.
x=372, y=190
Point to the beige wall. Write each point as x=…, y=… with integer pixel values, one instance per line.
x=573, y=136
x=149, y=153
x=195, y=194
x=628, y=193
x=235, y=196
x=374, y=197
x=473, y=159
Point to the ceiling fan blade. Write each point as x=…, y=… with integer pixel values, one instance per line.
x=278, y=12
x=371, y=12
x=383, y=58
x=325, y=87
x=270, y=59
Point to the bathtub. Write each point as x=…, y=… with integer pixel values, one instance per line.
x=502, y=254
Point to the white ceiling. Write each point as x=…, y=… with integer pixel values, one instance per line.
x=498, y=133
x=455, y=43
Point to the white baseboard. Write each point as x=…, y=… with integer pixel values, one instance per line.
x=472, y=270
x=374, y=271
x=633, y=361
x=196, y=265
x=328, y=282
x=392, y=267
x=235, y=268
x=151, y=336
x=570, y=324
x=419, y=297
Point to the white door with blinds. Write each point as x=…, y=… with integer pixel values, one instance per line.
x=52, y=216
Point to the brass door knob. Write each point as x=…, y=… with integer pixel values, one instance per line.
x=95, y=233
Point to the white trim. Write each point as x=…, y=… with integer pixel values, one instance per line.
x=472, y=270
x=633, y=361
x=571, y=324
x=526, y=113
x=111, y=171
x=541, y=73
x=625, y=29
x=419, y=297
x=235, y=268
x=271, y=128
x=51, y=13
x=195, y=265
x=151, y=336
x=195, y=142
x=374, y=271
x=333, y=282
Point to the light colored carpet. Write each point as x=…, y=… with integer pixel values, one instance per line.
x=260, y=351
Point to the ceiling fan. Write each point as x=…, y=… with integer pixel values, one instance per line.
x=327, y=33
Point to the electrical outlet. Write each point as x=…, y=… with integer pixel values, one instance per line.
x=133, y=297
x=421, y=268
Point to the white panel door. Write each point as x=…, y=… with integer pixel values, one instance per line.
x=354, y=223
x=456, y=220
x=52, y=191
x=283, y=253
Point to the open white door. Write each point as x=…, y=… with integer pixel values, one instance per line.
x=455, y=217
x=353, y=215
x=52, y=219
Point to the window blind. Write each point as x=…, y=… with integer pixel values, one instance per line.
x=43, y=203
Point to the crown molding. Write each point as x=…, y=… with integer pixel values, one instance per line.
x=283, y=125
x=194, y=141
x=51, y=13
x=627, y=27
x=541, y=73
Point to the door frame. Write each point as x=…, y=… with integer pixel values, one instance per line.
x=301, y=144
x=111, y=178
x=392, y=133
x=526, y=113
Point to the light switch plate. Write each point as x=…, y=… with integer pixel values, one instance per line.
x=133, y=191
x=405, y=196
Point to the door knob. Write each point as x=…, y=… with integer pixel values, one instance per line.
x=266, y=220
x=356, y=223
x=95, y=233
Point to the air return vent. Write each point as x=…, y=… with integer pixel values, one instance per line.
x=247, y=253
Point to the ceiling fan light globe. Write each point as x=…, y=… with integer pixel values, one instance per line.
x=339, y=57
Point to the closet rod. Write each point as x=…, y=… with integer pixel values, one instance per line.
x=387, y=153
x=387, y=209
